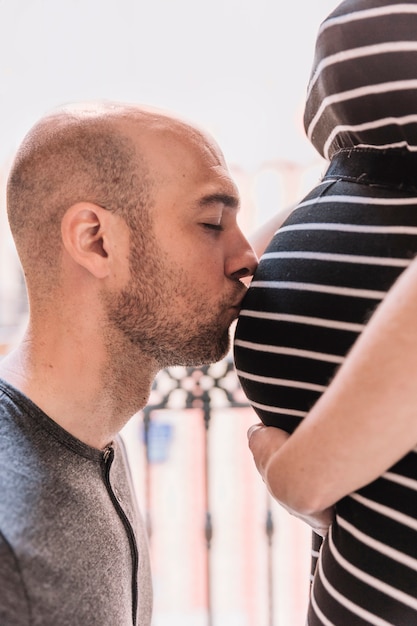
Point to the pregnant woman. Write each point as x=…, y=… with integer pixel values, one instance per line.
x=318, y=284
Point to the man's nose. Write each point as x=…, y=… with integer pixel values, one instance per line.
x=244, y=262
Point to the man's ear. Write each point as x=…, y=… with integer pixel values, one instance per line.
x=86, y=232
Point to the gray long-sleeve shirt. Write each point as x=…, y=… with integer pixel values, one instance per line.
x=73, y=549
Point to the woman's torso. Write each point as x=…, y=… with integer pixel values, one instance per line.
x=317, y=285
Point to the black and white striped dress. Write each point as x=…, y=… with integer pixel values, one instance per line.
x=322, y=276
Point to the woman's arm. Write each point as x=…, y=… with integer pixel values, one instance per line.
x=364, y=422
x=265, y=442
x=261, y=237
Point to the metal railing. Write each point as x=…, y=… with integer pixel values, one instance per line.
x=206, y=391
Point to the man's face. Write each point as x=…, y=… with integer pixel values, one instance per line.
x=184, y=289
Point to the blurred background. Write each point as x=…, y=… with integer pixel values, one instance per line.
x=223, y=553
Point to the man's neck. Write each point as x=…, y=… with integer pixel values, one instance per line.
x=83, y=396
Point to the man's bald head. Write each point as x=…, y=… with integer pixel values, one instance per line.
x=82, y=153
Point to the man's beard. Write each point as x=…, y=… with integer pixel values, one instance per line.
x=146, y=314
x=187, y=342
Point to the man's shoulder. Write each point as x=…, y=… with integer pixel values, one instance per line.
x=13, y=423
x=14, y=606
x=12, y=406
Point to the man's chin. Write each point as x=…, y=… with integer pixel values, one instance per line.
x=220, y=350
x=207, y=354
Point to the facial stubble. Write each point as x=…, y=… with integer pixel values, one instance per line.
x=161, y=315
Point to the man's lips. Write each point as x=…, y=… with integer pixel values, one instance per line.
x=238, y=305
x=238, y=301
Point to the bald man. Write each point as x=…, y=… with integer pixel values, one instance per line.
x=124, y=219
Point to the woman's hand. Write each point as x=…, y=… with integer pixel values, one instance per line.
x=264, y=443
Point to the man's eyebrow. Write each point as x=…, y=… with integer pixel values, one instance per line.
x=219, y=198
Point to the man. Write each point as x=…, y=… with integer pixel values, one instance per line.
x=124, y=219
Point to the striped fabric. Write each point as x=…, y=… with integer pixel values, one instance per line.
x=362, y=91
x=321, y=278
